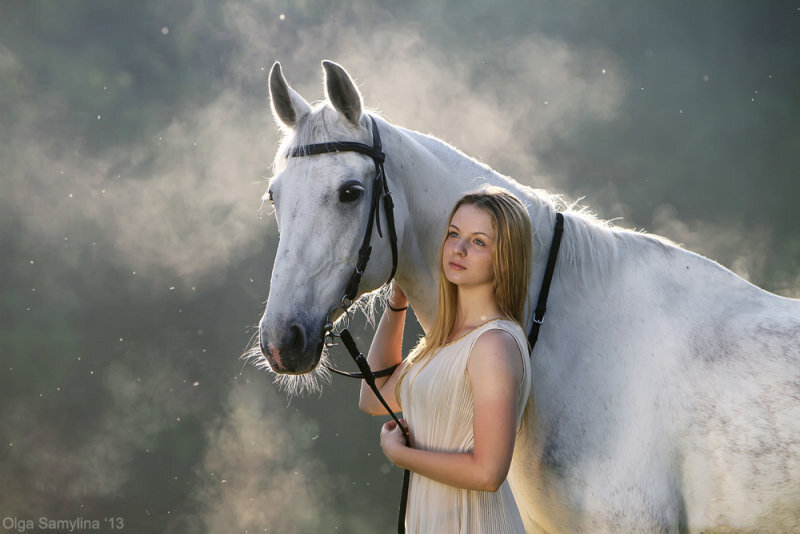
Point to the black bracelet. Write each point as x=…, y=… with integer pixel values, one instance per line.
x=393, y=308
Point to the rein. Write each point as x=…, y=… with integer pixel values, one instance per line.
x=380, y=189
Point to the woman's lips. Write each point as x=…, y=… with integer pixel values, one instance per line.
x=456, y=266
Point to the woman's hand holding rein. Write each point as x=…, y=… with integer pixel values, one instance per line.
x=392, y=440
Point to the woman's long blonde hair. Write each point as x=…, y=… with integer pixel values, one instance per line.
x=511, y=262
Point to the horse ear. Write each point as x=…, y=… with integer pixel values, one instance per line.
x=342, y=92
x=287, y=105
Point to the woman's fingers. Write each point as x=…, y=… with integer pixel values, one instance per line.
x=389, y=426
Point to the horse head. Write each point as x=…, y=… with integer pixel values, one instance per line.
x=321, y=204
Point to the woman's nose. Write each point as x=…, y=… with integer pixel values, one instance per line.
x=461, y=248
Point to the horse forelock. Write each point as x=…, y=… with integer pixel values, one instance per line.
x=323, y=125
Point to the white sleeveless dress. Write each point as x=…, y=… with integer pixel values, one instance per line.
x=436, y=397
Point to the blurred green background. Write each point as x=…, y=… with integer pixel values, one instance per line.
x=135, y=254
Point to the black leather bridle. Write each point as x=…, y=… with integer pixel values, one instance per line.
x=380, y=189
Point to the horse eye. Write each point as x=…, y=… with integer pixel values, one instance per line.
x=269, y=193
x=350, y=192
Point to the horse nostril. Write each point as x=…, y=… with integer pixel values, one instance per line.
x=264, y=348
x=297, y=338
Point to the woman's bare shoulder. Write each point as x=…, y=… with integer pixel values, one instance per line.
x=495, y=344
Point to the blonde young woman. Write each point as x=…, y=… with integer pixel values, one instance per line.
x=464, y=388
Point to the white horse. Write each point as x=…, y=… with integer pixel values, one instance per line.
x=666, y=388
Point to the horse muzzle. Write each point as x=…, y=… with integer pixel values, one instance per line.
x=290, y=349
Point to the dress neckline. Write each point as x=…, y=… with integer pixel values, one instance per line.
x=471, y=330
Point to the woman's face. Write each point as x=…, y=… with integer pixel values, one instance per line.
x=468, y=251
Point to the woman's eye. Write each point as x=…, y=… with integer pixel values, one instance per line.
x=454, y=235
x=350, y=192
x=480, y=243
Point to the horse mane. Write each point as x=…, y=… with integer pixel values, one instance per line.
x=591, y=247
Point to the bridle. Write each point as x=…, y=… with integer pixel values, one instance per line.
x=380, y=189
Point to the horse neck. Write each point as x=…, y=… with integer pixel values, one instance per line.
x=432, y=176
x=594, y=256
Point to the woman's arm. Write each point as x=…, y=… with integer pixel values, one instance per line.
x=385, y=351
x=495, y=370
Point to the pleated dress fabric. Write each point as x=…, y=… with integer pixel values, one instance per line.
x=436, y=397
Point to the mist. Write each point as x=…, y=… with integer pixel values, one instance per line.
x=135, y=145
